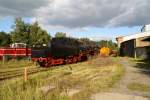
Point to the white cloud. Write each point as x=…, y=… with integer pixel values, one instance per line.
x=20, y=8
x=81, y=14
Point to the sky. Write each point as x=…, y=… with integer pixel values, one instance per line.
x=94, y=19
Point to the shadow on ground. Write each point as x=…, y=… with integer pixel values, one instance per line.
x=144, y=65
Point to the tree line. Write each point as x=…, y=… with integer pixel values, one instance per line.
x=22, y=32
x=107, y=43
x=33, y=34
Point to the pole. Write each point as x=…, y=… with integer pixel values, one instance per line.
x=107, y=43
x=3, y=59
x=135, y=55
x=25, y=74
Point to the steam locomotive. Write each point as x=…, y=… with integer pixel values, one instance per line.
x=62, y=51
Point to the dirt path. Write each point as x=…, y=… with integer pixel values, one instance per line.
x=120, y=91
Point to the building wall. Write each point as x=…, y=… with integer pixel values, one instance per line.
x=119, y=41
x=127, y=48
x=143, y=52
x=141, y=43
x=135, y=47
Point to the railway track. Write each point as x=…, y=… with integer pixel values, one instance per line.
x=19, y=72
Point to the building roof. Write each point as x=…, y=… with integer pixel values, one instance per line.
x=135, y=36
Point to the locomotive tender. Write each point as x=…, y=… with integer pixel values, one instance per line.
x=62, y=51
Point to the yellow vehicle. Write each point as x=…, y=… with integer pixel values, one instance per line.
x=105, y=51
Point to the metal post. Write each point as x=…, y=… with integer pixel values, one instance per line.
x=25, y=74
x=3, y=59
x=135, y=55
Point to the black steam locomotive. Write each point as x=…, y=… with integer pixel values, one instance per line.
x=63, y=51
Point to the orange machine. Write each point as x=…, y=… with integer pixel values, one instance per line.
x=104, y=52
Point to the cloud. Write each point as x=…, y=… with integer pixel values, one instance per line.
x=75, y=14
x=20, y=8
x=98, y=38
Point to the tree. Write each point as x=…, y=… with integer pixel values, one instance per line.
x=42, y=37
x=105, y=43
x=30, y=34
x=21, y=31
x=60, y=34
x=33, y=33
x=38, y=35
x=4, y=39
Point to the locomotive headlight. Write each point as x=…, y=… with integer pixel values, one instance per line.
x=40, y=59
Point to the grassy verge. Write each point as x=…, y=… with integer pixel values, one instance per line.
x=143, y=64
x=139, y=87
x=15, y=64
x=87, y=77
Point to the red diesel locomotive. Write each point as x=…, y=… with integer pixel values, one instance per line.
x=15, y=50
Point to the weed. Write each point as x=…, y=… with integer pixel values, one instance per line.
x=97, y=76
x=139, y=87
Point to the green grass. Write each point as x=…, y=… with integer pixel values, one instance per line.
x=139, y=87
x=90, y=77
x=15, y=63
x=143, y=64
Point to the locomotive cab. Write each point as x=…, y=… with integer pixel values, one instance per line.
x=40, y=53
